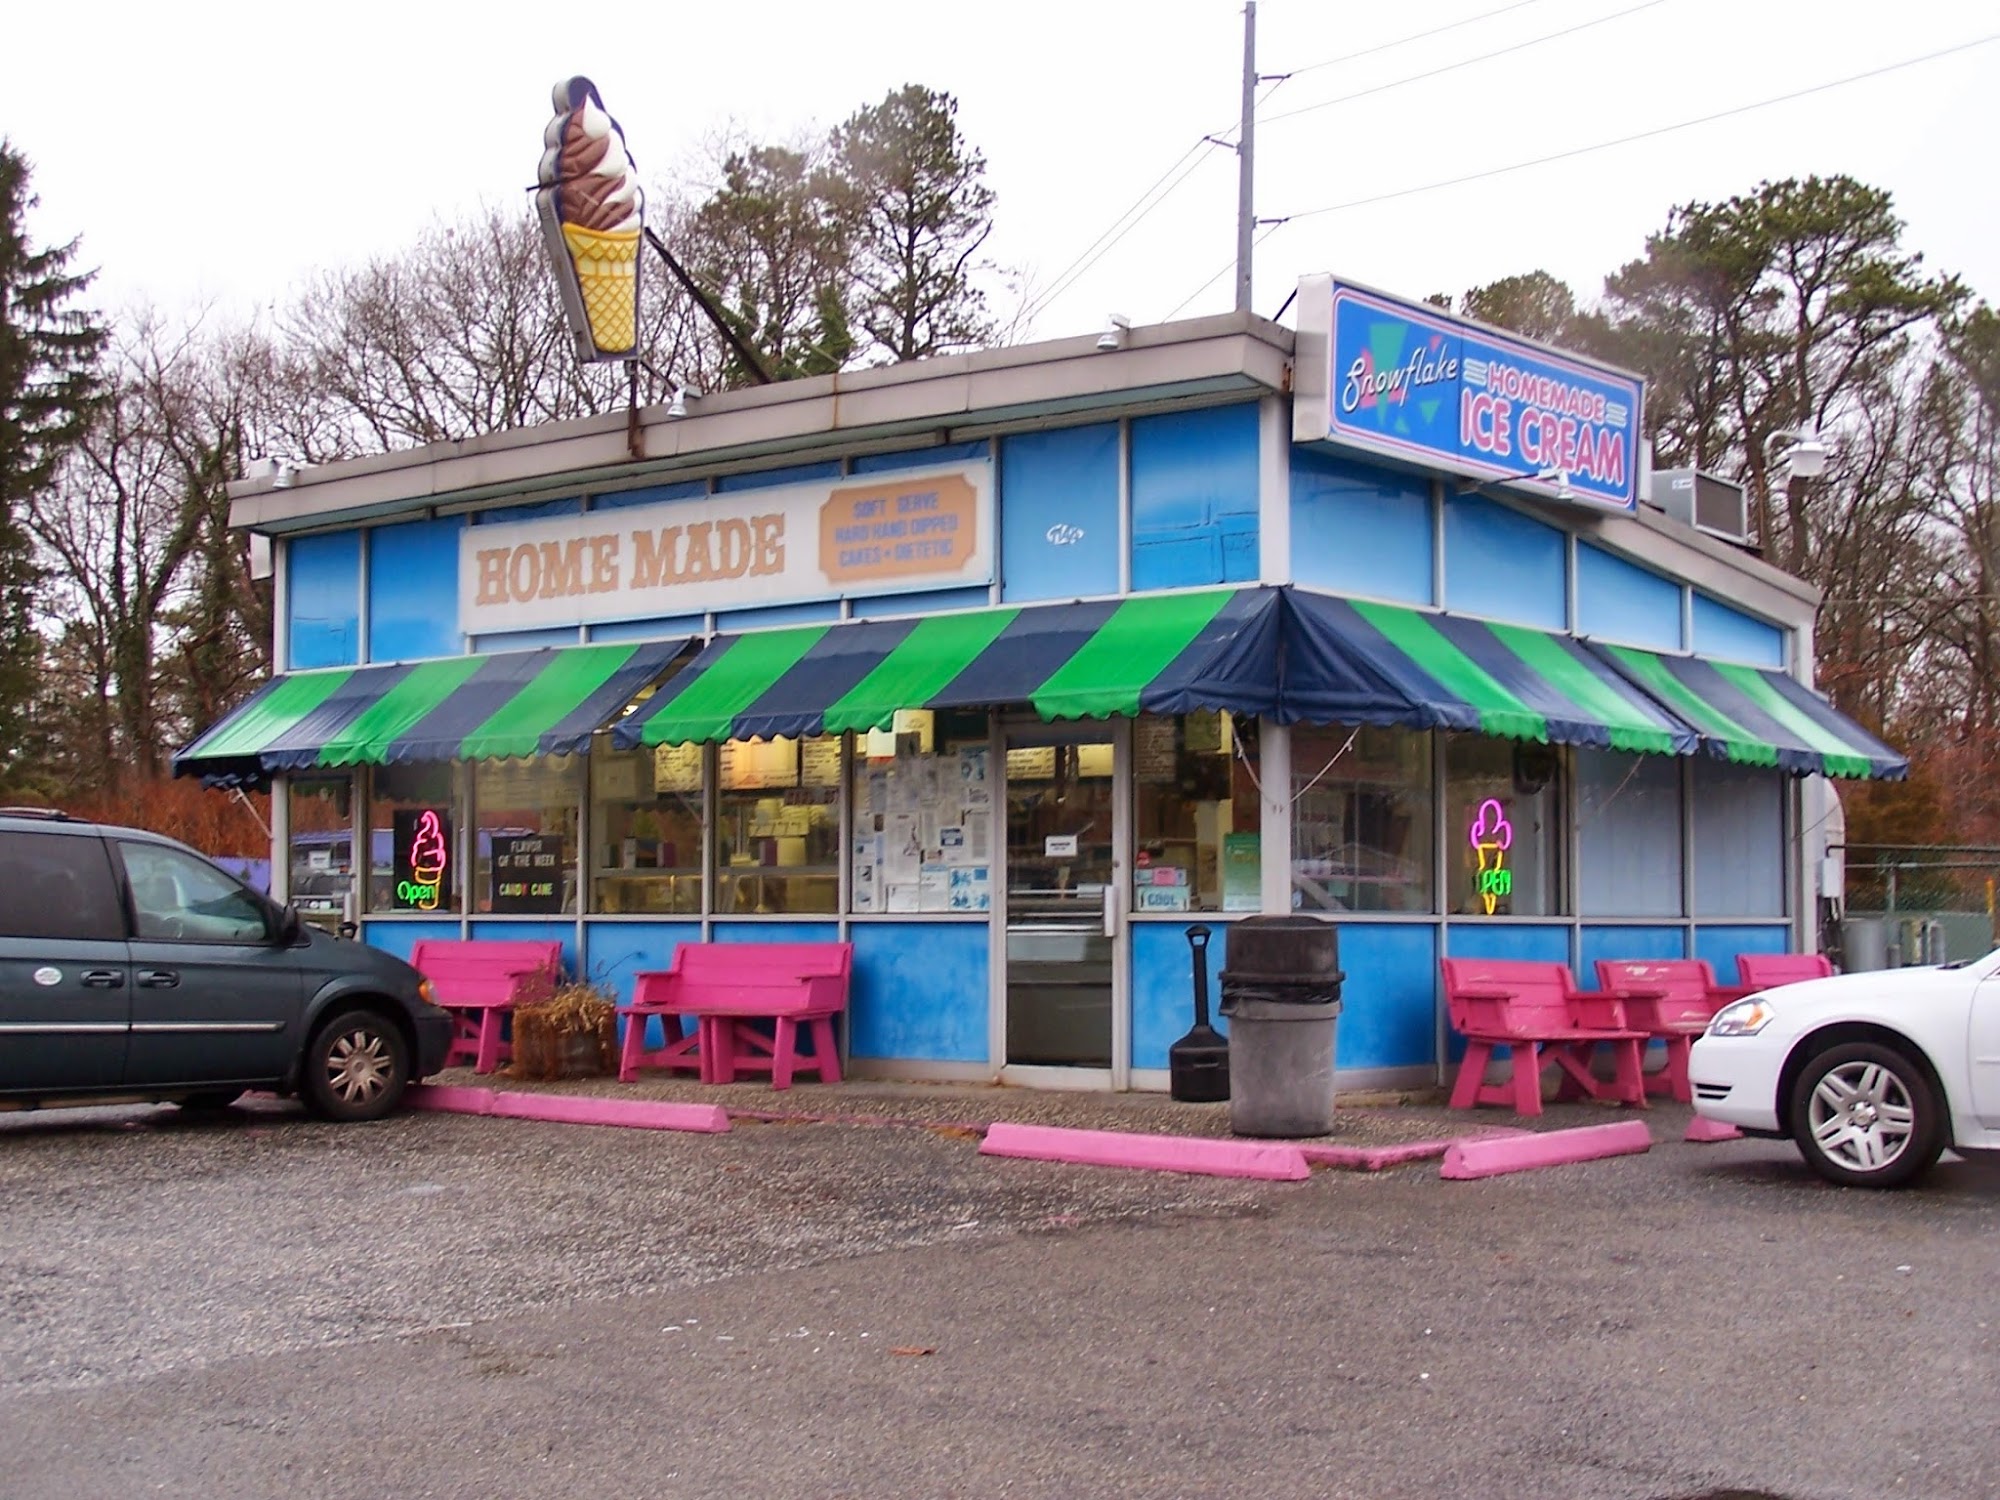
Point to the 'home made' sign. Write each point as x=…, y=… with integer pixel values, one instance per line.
x=918, y=529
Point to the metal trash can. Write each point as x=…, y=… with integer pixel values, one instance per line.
x=1281, y=993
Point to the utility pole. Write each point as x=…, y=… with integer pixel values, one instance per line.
x=1246, y=156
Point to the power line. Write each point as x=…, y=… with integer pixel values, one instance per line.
x=1129, y=220
x=1403, y=41
x=1643, y=135
x=1382, y=88
x=1625, y=140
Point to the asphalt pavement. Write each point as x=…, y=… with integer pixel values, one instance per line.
x=471, y=1307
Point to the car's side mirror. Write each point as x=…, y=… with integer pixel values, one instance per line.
x=288, y=927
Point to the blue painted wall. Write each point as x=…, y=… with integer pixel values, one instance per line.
x=323, y=599
x=1542, y=944
x=692, y=489
x=413, y=590
x=1358, y=529
x=616, y=951
x=526, y=640
x=1059, y=513
x=1720, y=945
x=1620, y=601
x=400, y=937
x=934, y=601
x=534, y=510
x=920, y=991
x=764, y=479
x=532, y=932
x=646, y=630
x=1389, y=1000
x=808, y=613
x=1627, y=942
x=920, y=458
x=1504, y=565
x=1194, y=497
x=1734, y=636
x=725, y=931
x=1163, y=987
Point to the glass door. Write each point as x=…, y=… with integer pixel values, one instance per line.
x=1064, y=931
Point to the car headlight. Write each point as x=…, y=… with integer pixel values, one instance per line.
x=1744, y=1018
x=425, y=993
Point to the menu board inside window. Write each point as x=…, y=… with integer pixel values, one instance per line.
x=677, y=768
x=759, y=765
x=1153, y=748
x=820, y=761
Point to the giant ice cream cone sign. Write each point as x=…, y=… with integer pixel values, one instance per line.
x=592, y=216
x=1492, y=836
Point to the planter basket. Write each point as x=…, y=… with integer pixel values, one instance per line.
x=573, y=1035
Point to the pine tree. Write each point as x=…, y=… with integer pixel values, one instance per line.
x=48, y=391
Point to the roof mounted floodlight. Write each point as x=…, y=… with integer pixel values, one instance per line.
x=1113, y=337
x=1804, y=455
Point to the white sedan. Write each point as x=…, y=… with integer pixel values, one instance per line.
x=1871, y=1075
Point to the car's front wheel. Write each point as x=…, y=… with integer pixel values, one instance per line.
x=1865, y=1114
x=356, y=1067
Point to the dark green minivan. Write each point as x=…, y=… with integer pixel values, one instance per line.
x=131, y=968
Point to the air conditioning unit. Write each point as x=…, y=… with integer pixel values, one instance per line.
x=1706, y=502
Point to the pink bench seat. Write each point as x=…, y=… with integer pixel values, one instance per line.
x=479, y=982
x=1671, y=1000
x=1766, y=971
x=1536, y=1011
x=729, y=991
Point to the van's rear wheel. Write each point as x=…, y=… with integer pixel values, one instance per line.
x=357, y=1066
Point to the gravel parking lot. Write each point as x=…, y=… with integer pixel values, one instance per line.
x=463, y=1307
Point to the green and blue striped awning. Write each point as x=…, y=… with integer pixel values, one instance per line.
x=1160, y=653
x=1352, y=662
x=492, y=707
x=1755, y=716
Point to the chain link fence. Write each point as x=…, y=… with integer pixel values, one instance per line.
x=1914, y=904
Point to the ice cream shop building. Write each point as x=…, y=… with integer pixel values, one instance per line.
x=1009, y=667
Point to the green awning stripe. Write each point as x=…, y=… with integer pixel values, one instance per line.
x=1111, y=669
x=366, y=740
x=1840, y=756
x=290, y=700
x=1739, y=745
x=1500, y=712
x=928, y=658
x=555, y=692
x=1598, y=699
x=707, y=707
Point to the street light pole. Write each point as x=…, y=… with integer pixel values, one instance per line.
x=1246, y=155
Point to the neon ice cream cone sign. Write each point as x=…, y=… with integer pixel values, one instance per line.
x=1492, y=836
x=427, y=861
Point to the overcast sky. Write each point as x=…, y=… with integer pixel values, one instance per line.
x=218, y=152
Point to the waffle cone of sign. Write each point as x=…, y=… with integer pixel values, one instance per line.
x=607, y=273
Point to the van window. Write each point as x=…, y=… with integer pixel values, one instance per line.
x=178, y=898
x=59, y=886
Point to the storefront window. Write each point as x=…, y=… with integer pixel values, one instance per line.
x=777, y=826
x=525, y=854
x=645, y=820
x=320, y=811
x=923, y=815
x=1361, y=820
x=1504, y=834
x=1739, y=840
x=1628, y=817
x=413, y=845
x=1196, y=815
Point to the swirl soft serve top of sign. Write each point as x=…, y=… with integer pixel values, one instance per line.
x=1407, y=381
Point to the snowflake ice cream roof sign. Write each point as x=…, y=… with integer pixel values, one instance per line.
x=1406, y=381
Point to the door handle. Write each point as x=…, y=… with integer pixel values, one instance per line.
x=158, y=979
x=1110, y=910
x=102, y=979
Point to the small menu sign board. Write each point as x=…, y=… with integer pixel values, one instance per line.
x=527, y=872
